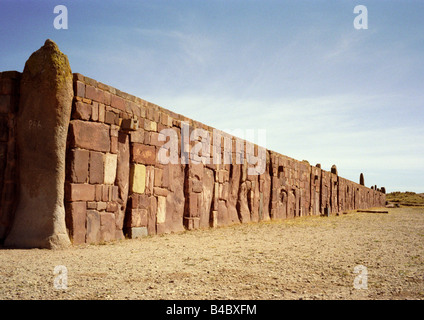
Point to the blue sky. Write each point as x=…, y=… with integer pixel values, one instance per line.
x=323, y=90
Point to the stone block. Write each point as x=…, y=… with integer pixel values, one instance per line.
x=79, y=89
x=111, y=118
x=136, y=232
x=81, y=192
x=110, y=165
x=157, y=191
x=99, y=192
x=129, y=124
x=93, y=227
x=161, y=214
x=137, y=136
x=102, y=110
x=117, y=102
x=144, y=154
x=91, y=93
x=150, y=125
x=114, y=145
x=96, y=167
x=107, y=226
x=95, y=111
x=138, y=178
x=101, y=205
x=158, y=177
x=136, y=218
x=78, y=165
x=81, y=111
x=112, y=207
x=76, y=215
x=89, y=135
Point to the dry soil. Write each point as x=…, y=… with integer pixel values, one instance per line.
x=303, y=258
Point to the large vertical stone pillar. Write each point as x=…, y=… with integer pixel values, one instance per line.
x=42, y=126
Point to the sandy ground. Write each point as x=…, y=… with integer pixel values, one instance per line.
x=304, y=258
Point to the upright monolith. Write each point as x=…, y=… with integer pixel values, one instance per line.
x=42, y=125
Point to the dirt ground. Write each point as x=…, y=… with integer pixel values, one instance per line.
x=303, y=258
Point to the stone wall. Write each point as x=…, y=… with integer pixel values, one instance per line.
x=117, y=187
x=9, y=101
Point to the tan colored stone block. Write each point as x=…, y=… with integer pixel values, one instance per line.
x=161, y=215
x=138, y=178
x=111, y=161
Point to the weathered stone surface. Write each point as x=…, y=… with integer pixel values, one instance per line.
x=138, y=178
x=173, y=176
x=107, y=226
x=89, y=135
x=161, y=215
x=82, y=111
x=122, y=177
x=42, y=125
x=96, y=167
x=110, y=166
x=78, y=165
x=144, y=154
x=81, y=192
x=205, y=206
x=76, y=221
x=93, y=227
x=137, y=232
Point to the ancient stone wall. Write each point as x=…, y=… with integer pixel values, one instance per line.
x=117, y=186
x=9, y=101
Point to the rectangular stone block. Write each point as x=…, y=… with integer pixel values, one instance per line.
x=112, y=207
x=95, y=111
x=114, y=145
x=137, y=232
x=150, y=125
x=78, y=165
x=137, y=136
x=138, y=178
x=99, y=192
x=81, y=111
x=161, y=215
x=81, y=192
x=96, y=167
x=101, y=206
x=137, y=218
x=93, y=227
x=102, y=110
x=117, y=102
x=143, y=154
x=93, y=93
x=76, y=215
x=129, y=124
x=110, y=165
x=79, y=89
x=111, y=118
x=157, y=191
x=107, y=226
x=89, y=135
